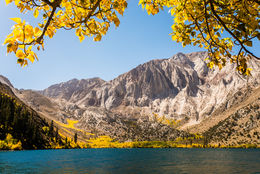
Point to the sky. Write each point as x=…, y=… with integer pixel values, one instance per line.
x=138, y=39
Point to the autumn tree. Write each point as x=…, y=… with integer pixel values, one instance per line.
x=90, y=18
x=226, y=28
x=220, y=26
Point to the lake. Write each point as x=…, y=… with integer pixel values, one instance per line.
x=123, y=161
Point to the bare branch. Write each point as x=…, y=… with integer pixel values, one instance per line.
x=39, y=39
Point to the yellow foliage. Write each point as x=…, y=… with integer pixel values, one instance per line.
x=69, y=125
x=167, y=121
x=17, y=146
x=88, y=18
x=196, y=22
x=202, y=23
x=46, y=129
x=101, y=142
x=10, y=143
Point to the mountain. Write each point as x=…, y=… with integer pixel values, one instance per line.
x=179, y=87
x=143, y=104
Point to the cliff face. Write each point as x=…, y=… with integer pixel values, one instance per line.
x=178, y=87
x=73, y=89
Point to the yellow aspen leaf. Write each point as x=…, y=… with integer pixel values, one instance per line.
x=20, y=61
x=46, y=8
x=41, y=25
x=16, y=2
x=50, y=33
x=78, y=32
x=248, y=71
x=8, y=1
x=25, y=63
x=37, y=32
x=30, y=57
x=97, y=38
x=116, y=21
x=174, y=36
x=81, y=38
x=29, y=48
x=17, y=20
x=34, y=55
x=220, y=66
x=28, y=30
x=60, y=12
x=7, y=40
x=210, y=65
x=21, y=46
x=20, y=54
x=35, y=13
x=14, y=47
x=9, y=48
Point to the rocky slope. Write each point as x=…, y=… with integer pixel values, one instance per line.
x=180, y=88
x=98, y=121
x=241, y=127
x=72, y=90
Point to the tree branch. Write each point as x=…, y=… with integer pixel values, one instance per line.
x=92, y=11
x=47, y=2
x=226, y=28
x=39, y=39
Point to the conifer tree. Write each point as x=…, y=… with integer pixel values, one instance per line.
x=75, y=137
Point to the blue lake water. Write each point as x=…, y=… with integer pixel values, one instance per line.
x=124, y=161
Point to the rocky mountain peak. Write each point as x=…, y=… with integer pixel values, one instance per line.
x=179, y=87
x=66, y=90
x=182, y=59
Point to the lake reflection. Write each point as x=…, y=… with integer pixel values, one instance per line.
x=123, y=161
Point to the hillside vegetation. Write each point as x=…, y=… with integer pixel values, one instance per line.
x=21, y=127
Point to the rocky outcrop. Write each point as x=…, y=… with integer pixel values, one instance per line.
x=73, y=90
x=179, y=87
x=241, y=127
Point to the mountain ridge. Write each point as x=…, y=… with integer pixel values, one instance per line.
x=181, y=89
x=181, y=77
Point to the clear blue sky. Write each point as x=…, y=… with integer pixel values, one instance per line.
x=138, y=39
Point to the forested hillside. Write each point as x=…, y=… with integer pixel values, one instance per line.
x=21, y=127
